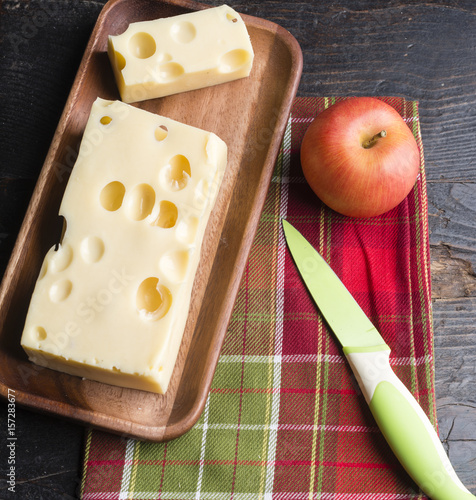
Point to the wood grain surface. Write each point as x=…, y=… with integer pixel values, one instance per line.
x=420, y=50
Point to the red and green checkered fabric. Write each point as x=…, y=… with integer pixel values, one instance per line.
x=285, y=419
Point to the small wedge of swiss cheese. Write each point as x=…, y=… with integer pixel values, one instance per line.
x=176, y=54
x=111, y=301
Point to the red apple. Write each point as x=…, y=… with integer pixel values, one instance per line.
x=360, y=157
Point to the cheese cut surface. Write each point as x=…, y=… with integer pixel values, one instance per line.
x=176, y=54
x=112, y=300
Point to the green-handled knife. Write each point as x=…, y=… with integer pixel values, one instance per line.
x=404, y=424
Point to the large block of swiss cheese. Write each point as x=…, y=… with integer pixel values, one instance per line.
x=112, y=300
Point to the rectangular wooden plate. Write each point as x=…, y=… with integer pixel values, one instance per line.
x=250, y=115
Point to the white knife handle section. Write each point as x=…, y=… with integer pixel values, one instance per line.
x=405, y=425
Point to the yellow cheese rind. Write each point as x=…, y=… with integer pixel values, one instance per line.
x=111, y=301
x=181, y=53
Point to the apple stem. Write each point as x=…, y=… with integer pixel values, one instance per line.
x=371, y=142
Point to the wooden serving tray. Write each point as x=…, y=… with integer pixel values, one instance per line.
x=250, y=115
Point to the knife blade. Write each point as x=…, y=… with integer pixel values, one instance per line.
x=400, y=418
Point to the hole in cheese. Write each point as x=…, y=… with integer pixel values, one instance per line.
x=120, y=60
x=212, y=149
x=39, y=333
x=140, y=202
x=168, y=214
x=92, y=249
x=153, y=300
x=164, y=57
x=176, y=174
x=187, y=229
x=61, y=259
x=105, y=120
x=170, y=71
x=112, y=195
x=43, y=270
x=60, y=290
x=201, y=194
x=233, y=60
x=183, y=32
x=174, y=265
x=161, y=132
x=142, y=45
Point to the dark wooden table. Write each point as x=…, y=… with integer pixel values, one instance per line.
x=424, y=51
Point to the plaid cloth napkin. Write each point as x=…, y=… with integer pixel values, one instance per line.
x=285, y=418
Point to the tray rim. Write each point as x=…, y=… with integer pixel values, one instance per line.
x=93, y=418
